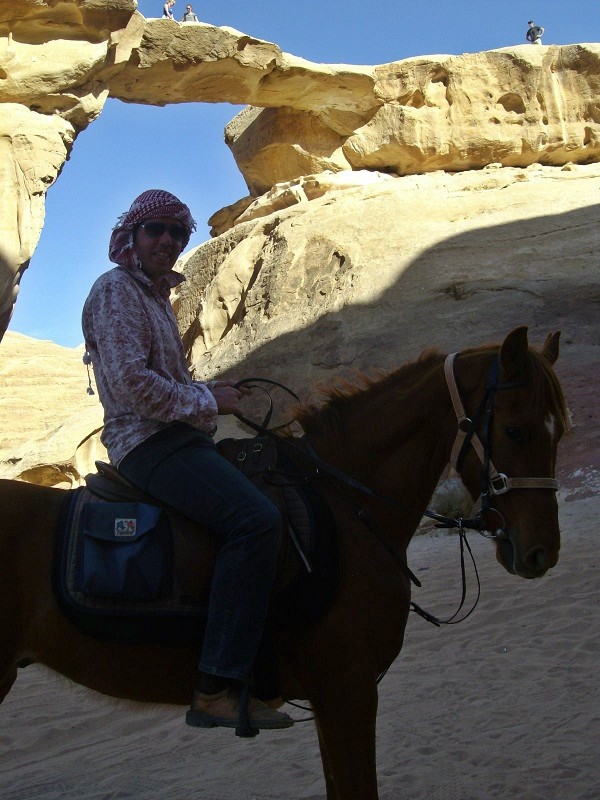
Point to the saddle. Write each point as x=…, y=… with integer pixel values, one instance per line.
x=128, y=569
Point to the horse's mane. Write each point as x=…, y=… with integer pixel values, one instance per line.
x=325, y=412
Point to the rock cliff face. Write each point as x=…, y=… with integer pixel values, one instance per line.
x=60, y=62
x=362, y=277
x=50, y=426
x=370, y=275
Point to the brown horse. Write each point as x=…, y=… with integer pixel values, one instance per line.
x=395, y=435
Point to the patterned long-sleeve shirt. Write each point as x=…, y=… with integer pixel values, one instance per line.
x=139, y=363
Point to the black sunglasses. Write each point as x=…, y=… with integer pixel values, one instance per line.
x=156, y=230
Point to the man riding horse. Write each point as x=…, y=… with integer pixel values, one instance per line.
x=158, y=430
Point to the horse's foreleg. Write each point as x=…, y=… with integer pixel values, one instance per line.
x=329, y=785
x=346, y=728
x=8, y=654
x=10, y=633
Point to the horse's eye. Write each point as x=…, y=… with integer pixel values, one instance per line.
x=516, y=434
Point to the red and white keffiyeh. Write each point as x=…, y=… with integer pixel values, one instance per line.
x=151, y=204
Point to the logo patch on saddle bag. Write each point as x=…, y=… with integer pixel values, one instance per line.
x=126, y=551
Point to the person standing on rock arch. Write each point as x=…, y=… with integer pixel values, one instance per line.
x=534, y=33
x=158, y=432
x=189, y=15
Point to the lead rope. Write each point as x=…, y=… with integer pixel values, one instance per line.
x=451, y=620
x=464, y=544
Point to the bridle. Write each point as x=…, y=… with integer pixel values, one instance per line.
x=492, y=482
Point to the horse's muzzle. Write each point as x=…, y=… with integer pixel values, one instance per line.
x=533, y=564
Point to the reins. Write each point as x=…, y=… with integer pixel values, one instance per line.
x=492, y=482
x=323, y=468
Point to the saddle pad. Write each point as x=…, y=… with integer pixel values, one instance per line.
x=126, y=551
x=306, y=583
x=176, y=618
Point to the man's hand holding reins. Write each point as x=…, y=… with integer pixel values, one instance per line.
x=228, y=397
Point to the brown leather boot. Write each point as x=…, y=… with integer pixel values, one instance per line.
x=222, y=710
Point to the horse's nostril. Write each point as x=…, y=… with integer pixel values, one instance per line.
x=537, y=559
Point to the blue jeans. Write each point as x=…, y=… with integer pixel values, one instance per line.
x=182, y=468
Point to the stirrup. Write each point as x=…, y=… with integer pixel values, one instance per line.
x=244, y=730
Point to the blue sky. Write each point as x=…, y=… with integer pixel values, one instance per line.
x=130, y=148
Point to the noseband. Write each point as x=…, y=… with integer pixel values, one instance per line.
x=492, y=482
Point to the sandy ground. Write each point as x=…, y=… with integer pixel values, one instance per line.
x=504, y=705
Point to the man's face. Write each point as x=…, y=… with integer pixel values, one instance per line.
x=159, y=250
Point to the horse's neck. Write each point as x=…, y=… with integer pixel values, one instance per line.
x=397, y=441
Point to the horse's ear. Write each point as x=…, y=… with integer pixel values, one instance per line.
x=550, y=348
x=513, y=351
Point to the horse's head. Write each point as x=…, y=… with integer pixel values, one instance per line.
x=506, y=450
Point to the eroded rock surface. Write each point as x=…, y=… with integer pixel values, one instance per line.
x=514, y=106
x=361, y=278
x=414, y=261
x=50, y=426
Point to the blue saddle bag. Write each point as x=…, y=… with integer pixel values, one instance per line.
x=126, y=551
